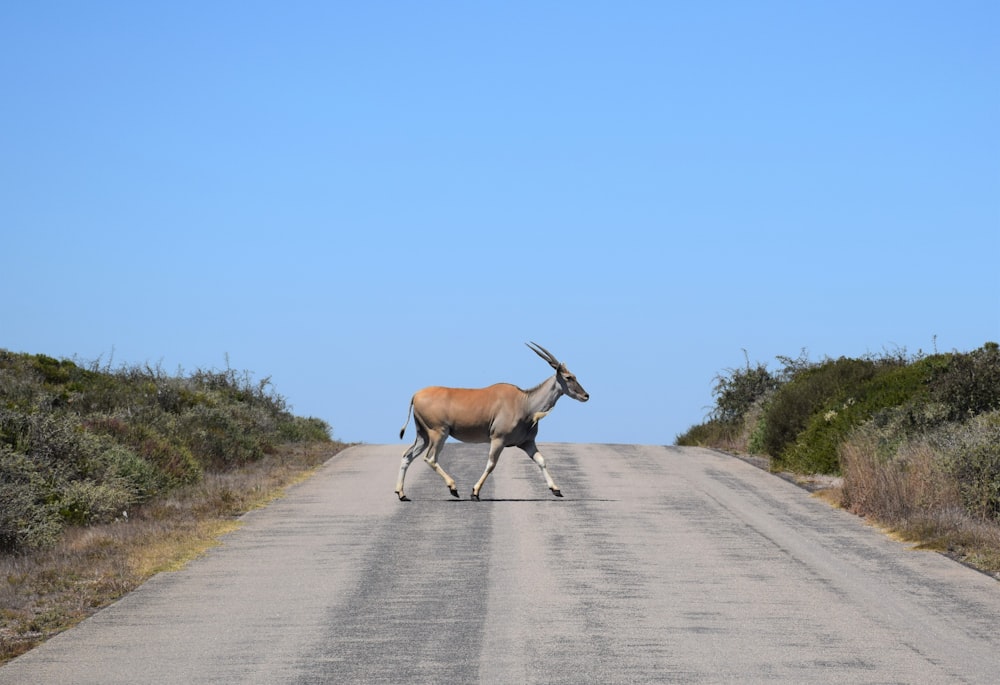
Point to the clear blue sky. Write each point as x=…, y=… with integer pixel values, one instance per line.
x=360, y=199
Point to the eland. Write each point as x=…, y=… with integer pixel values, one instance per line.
x=503, y=415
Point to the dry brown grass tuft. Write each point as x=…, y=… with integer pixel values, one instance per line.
x=894, y=488
x=46, y=592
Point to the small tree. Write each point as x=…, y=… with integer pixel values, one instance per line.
x=737, y=390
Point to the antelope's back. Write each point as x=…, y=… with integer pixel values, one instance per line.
x=465, y=411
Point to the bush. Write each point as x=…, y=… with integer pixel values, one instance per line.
x=939, y=487
x=916, y=440
x=156, y=443
x=757, y=431
x=815, y=449
x=125, y=465
x=738, y=390
x=789, y=412
x=57, y=443
x=222, y=437
x=969, y=384
x=80, y=445
x=972, y=455
x=27, y=518
x=712, y=433
x=891, y=480
x=300, y=429
x=83, y=502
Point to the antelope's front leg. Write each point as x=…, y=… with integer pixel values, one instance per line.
x=496, y=447
x=532, y=451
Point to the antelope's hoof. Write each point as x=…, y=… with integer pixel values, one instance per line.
x=454, y=492
x=475, y=496
x=402, y=497
x=557, y=492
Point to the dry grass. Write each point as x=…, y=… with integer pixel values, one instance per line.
x=913, y=498
x=897, y=488
x=833, y=495
x=47, y=592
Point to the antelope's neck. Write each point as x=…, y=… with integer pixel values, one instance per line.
x=543, y=397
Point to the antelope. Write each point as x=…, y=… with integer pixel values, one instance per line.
x=503, y=415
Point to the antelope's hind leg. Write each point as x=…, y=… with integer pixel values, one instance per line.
x=437, y=439
x=417, y=448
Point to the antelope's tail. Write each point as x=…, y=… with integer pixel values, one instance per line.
x=408, y=412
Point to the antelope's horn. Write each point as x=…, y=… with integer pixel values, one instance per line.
x=544, y=354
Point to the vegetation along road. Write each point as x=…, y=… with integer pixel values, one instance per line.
x=660, y=564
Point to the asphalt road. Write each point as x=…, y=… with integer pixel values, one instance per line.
x=660, y=565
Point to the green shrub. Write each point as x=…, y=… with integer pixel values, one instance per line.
x=815, y=449
x=222, y=438
x=20, y=386
x=299, y=429
x=28, y=519
x=914, y=438
x=969, y=384
x=806, y=394
x=54, y=370
x=83, y=502
x=755, y=442
x=82, y=444
x=141, y=477
x=55, y=442
x=712, y=433
x=972, y=454
x=156, y=443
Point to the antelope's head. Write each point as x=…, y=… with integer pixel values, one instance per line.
x=566, y=379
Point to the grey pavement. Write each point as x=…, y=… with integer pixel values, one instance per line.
x=674, y=565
